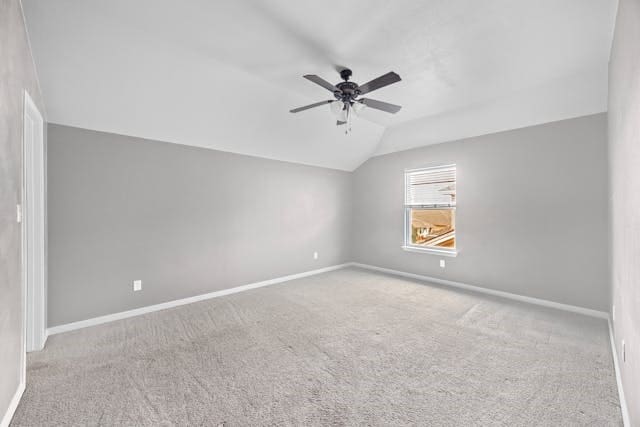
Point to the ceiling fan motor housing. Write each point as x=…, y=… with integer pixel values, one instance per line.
x=348, y=91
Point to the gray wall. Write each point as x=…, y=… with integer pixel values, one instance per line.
x=184, y=220
x=531, y=216
x=17, y=73
x=624, y=158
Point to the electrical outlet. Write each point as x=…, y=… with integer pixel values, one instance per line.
x=442, y=264
x=137, y=285
x=315, y=255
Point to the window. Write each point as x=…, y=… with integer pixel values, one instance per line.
x=430, y=209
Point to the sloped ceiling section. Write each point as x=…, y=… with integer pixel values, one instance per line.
x=223, y=74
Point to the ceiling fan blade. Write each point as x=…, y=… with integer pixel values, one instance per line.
x=322, y=82
x=382, y=81
x=380, y=105
x=340, y=123
x=306, y=107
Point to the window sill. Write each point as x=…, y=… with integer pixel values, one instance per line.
x=442, y=252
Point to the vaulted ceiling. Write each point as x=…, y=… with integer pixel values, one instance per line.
x=224, y=74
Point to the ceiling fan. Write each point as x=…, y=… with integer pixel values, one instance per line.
x=347, y=96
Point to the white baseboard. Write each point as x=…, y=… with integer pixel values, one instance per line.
x=516, y=297
x=148, y=309
x=13, y=405
x=623, y=403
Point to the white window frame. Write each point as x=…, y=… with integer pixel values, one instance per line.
x=408, y=246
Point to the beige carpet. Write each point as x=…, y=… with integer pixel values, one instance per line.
x=343, y=348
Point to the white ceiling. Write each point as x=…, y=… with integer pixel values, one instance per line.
x=223, y=74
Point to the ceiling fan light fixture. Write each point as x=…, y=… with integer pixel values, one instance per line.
x=337, y=108
x=358, y=107
x=346, y=93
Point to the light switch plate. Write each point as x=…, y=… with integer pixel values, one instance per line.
x=442, y=264
x=137, y=285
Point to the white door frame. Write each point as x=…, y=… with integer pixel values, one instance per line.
x=33, y=226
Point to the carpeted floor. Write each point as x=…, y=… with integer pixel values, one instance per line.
x=342, y=348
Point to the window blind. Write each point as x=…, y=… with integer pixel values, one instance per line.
x=431, y=188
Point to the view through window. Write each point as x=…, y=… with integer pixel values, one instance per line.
x=430, y=208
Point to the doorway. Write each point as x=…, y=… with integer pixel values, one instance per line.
x=33, y=226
